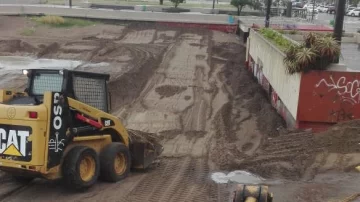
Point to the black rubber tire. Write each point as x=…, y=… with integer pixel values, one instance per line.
x=71, y=168
x=107, y=160
x=352, y=15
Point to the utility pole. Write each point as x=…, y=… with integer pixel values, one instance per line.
x=213, y=5
x=313, y=10
x=70, y=3
x=339, y=21
x=268, y=7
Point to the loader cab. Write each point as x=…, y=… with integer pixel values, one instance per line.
x=89, y=88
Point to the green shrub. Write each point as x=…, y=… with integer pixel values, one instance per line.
x=293, y=32
x=281, y=31
x=58, y=21
x=51, y=20
x=317, y=51
x=276, y=38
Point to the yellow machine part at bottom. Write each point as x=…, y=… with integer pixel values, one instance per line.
x=252, y=193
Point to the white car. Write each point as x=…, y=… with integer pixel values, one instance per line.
x=354, y=12
x=322, y=9
x=311, y=9
x=308, y=6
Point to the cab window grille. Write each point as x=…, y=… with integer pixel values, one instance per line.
x=47, y=82
x=90, y=91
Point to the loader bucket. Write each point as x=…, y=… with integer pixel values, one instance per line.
x=144, y=149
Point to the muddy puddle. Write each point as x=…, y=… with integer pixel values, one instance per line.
x=242, y=177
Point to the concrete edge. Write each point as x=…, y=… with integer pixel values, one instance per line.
x=12, y=9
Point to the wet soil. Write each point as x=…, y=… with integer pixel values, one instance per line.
x=190, y=88
x=169, y=90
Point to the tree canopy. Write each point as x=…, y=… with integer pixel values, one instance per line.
x=240, y=4
x=354, y=2
x=177, y=2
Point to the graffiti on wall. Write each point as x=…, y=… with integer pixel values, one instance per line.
x=329, y=96
x=348, y=90
x=257, y=72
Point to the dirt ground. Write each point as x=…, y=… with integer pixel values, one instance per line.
x=188, y=86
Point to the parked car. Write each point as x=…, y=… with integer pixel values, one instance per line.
x=322, y=9
x=349, y=9
x=308, y=6
x=298, y=5
x=311, y=9
x=331, y=10
x=354, y=12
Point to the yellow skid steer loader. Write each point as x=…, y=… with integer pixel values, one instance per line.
x=60, y=128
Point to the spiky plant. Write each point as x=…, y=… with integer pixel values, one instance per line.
x=290, y=53
x=305, y=57
x=327, y=47
x=292, y=66
x=290, y=59
x=310, y=39
x=291, y=50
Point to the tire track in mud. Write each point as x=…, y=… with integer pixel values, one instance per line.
x=128, y=86
x=169, y=73
x=183, y=178
x=11, y=187
x=176, y=179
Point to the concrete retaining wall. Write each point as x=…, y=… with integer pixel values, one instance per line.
x=159, y=9
x=115, y=14
x=316, y=99
x=357, y=36
x=286, y=86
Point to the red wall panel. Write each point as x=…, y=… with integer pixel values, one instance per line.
x=230, y=28
x=328, y=96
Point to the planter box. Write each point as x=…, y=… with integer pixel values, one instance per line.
x=316, y=99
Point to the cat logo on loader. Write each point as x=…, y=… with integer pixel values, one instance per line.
x=13, y=142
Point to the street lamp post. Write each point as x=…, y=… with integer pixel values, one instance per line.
x=313, y=10
x=267, y=19
x=339, y=21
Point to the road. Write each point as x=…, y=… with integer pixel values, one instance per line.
x=351, y=24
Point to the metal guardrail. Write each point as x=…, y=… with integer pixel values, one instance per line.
x=281, y=11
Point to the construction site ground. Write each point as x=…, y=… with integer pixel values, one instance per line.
x=191, y=88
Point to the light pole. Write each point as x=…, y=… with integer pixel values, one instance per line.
x=312, y=15
x=339, y=22
x=267, y=19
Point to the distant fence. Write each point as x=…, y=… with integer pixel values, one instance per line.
x=281, y=11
